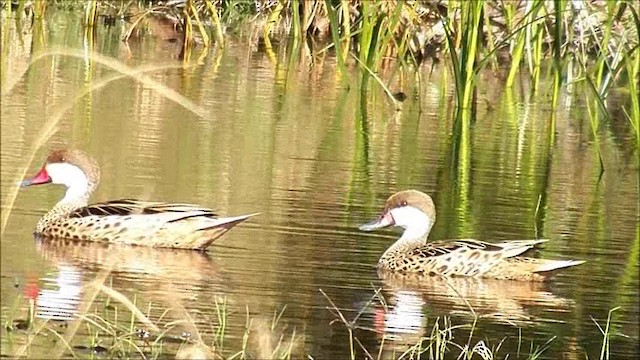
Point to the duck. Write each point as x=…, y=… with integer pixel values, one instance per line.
x=124, y=221
x=413, y=254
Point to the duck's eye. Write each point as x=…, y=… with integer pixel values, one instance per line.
x=403, y=203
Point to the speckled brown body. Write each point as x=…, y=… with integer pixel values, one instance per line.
x=194, y=229
x=414, y=254
x=465, y=258
x=125, y=221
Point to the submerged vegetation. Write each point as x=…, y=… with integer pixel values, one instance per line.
x=110, y=325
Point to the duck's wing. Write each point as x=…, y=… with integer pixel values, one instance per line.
x=517, y=247
x=126, y=207
x=464, y=256
x=461, y=246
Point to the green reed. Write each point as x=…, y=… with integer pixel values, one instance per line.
x=367, y=37
x=188, y=37
x=632, y=67
x=582, y=41
x=213, y=12
x=595, y=109
x=39, y=9
x=272, y=21
x=363, y=84
x=192, y=12
x=464, y=58
x=465, y=68
x=557, y=54
x=90, y=13
x=537, y=24
x=337, y=42
x=529, y=40
x=346, y=27
x=296, y=26
x=606, y=342
x=221, y=329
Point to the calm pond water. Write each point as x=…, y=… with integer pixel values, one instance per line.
x=287, y=139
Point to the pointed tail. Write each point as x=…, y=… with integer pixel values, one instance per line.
x=550, y=265
x=216, y=228
x=227, y=222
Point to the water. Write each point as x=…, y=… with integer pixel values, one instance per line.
x=289, y=141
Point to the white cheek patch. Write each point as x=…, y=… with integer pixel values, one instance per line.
x=415, y=222
x=70, y=176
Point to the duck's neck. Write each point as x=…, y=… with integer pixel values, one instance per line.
x=414, y=236
x=76, y=197
x=71, y=202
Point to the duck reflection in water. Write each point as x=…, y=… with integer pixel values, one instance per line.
x=172, y=278
x=412, y=305
x=61, y=294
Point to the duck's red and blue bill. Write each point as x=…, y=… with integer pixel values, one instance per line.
x=42, y=177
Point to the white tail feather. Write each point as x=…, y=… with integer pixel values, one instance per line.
x=549, y=265
x=221, y=221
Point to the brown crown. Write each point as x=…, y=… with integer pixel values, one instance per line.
x=413, y=198
x=78, y=158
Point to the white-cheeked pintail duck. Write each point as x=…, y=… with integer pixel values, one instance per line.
x=125, y=221
x=414, y=254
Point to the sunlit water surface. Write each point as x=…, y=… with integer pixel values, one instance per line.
x=290, y=141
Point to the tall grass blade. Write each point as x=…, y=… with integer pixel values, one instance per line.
x=558, y=6
x=213, y=11
x=50, y=126
x=335, y=35
x=91, y=13
x=396, y=103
